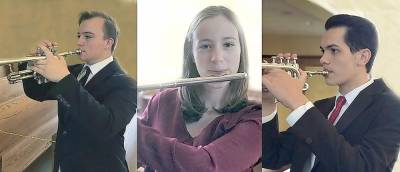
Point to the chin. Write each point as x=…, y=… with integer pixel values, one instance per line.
x=83, y=57
x=218, y=85
x=332, y=81
x=329, y=81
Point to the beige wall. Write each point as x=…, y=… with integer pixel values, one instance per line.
x=303, y=45
x=25, y=22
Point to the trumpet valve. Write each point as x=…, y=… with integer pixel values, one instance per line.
x=273, y=59
x=280, y=59
x=294, y=59
x=288, y=60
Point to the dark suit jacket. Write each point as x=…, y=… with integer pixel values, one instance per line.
x=366, y=138
x=92, y=119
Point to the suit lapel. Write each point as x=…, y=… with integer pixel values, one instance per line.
x=326, y=106
x=101, y=75
x=362, y=101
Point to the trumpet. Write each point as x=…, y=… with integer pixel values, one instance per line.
x=291, y=66
x=193, y=81
x=15, y=75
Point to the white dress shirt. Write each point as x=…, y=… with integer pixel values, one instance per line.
x=95, y=68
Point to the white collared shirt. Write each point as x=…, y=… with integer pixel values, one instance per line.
x=95, y=68
x=295, y=115
x=350, y=96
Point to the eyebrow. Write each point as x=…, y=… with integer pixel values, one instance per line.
x=210, y=40
x=205, y=40
x=85, y=33
x=329, y=46
x=225, y=38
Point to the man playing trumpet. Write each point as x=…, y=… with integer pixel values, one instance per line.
x=357, y=130
x=95, y=100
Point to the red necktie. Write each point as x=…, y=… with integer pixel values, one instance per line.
x=339, y=104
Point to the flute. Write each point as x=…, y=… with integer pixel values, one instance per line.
x=193, y=81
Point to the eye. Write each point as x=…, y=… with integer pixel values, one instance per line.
x=88, y=36
x=85, y=36
x=335, y=51
x=205, y=46
x=229, y=44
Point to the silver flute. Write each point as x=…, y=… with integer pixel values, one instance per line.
x=193, y=81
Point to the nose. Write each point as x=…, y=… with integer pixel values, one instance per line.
x=324, y=60
x=80, y=41
x=217, y=54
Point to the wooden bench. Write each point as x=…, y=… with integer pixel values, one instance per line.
x=22, y=115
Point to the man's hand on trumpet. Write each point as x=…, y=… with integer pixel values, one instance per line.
x=54, y=68
x=288, y=90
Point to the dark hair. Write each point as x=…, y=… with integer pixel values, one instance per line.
x=110, y=27
x=360, y=34
x=193, y=107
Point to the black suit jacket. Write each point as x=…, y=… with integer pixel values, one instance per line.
x=92, y=119
x=366, y=138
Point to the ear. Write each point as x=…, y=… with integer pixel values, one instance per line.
x=364, y=56
x=109, y=42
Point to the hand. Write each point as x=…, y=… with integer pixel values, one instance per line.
x=53, y=68
x=286, y=89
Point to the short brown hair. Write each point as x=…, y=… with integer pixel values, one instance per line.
x=110, y=28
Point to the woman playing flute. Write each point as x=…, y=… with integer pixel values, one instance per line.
x=206, y=127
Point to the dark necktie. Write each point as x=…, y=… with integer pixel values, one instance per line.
x=85, y=75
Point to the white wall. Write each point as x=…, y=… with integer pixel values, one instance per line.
x=162, y=27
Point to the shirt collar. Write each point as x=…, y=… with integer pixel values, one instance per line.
x=95, y=68
x=350, y=96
